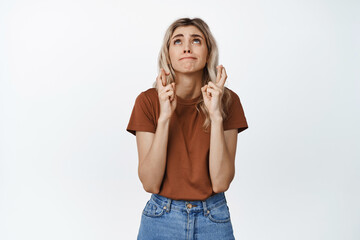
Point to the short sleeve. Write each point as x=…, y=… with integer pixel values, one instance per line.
x=236, y=118
x=142, y=116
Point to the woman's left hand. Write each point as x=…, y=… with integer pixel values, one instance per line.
x=212, y=93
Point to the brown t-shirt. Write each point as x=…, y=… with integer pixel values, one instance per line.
x=187, y=174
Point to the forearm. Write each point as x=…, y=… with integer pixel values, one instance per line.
x=221, y=167
x=152, y=168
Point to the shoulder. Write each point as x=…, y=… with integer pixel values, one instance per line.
x=150, y=91
x=234, y=96
x=150, y=95
x=234, y=103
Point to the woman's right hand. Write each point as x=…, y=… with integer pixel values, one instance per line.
x=167, y=95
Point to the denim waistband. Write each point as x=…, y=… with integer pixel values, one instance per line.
x=188, y=205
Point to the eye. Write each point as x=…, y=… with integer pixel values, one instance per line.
x=196, y=39
x=176, y=41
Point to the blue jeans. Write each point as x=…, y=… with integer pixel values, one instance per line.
x=164, y=218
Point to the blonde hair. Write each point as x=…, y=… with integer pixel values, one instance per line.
x=210, y=70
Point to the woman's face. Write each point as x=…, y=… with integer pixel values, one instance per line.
x=187, y=50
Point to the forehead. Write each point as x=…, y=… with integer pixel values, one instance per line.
x=187, y=30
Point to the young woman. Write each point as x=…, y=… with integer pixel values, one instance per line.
x=186, y=130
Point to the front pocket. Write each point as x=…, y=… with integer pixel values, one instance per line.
x=220, y=214
x=153, y=210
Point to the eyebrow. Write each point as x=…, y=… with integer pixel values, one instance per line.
x=192, y=35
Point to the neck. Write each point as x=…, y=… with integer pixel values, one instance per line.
x=188, y=85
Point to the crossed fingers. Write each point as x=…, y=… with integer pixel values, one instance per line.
x=165, y=90
x=221, y=76
x=217, y=88
x=161, y=79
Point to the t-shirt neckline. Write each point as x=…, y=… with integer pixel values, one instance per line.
x=187, y=101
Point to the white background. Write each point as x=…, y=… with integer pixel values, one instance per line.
x=70, y=72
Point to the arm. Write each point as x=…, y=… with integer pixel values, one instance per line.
x=222, y=155
x=152, y=149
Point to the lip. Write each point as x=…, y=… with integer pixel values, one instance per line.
x=187, y=58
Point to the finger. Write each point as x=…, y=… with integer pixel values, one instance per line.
x=208, y=91
x=173, y=87
x=168, y=87
x=218, y=90
x=213, y=86
x=164, y=75
x=213, y=92
x=223, y=78
x=170, y=95
x=203, y=91
x=163, y=78
x=159, y=83
x=218, y=75
x=166, y=95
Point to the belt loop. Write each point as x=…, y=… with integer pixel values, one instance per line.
x=205, y=208
x=168, y=205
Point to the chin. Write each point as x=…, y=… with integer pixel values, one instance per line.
x=188, y=70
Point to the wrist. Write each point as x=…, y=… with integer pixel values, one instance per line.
x=163, y=119
x=216, y=118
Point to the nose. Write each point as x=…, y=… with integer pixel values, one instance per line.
x=187, y=47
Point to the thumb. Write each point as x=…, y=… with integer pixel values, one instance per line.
x=203, y=91
x=173, y=87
